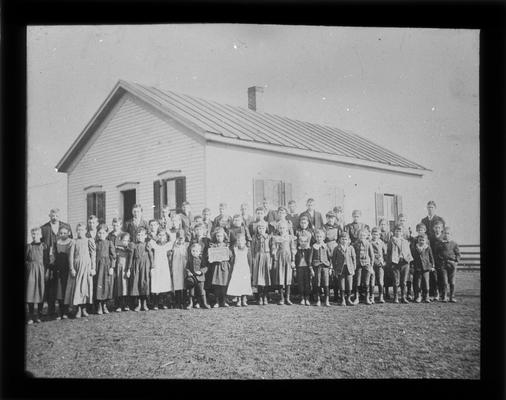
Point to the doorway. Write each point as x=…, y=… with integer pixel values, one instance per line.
x=129, y=199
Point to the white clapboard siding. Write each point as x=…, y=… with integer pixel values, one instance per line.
x=134, y=145
x=470, y=257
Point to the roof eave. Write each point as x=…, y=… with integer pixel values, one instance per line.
x=213, y=137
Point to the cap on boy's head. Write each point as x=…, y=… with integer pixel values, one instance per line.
x=431, y=203
x=356, y=212
x=330, y=214
x=338, y=209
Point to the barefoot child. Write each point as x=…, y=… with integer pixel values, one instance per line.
x=283, y=256
x=179, y=261
x=220, y=269
x=305, y=272
x=423, y=261
x=344, y=262
x=321, y=263
x=35, y=272
x=261, y=255
x=380, y=252
x=82, y=258
x=122, y=272
x=142, y=261
x=161, y=281
x=240, y=280
x=196, y=269
x=104, y=278
x=62, y=268
x=447, y=258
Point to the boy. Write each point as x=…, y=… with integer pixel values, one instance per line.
x=364, y=274
x=206, y=220
x=153, y=230
x=322, y=266
x=355, y=227
x=260, y=214
x=196, y=270
x=385, y=236
x=332, y=232
x=269, y=215
x=423, y=261
x=437, y=236
x=344, y=262
x=186, y=217
x=304, y=271
x=447, y=258
x=399, y=256
x=314, y=217
x=380, y=252
x=292, y=215
x=338, y=210
x=431, y=219
x=222, y=220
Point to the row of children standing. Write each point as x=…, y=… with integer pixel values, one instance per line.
x=170, y=255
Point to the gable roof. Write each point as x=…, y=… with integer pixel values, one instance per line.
x=244, y=127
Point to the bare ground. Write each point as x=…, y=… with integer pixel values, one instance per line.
x=438, y=340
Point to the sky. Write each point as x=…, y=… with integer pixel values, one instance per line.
x=415, y=91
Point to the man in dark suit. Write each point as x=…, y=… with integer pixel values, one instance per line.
x=49, y=236
x=315, y=218
x=431, y=219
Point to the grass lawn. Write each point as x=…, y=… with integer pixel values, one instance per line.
x=437, y=340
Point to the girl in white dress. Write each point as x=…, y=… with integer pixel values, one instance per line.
x=161, y=281
x=240, y=282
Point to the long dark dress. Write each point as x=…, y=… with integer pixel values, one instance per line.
x=82, y=258
x=221, y=270
x=103, y=282
x=142, y=260
x=34, y=264
x=62, y=267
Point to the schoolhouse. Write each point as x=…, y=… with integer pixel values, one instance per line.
x=155, y=147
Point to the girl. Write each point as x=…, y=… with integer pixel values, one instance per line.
x=238, y=228
x=380, y=252
x=321, y=264
x=92, y=227
x=282, y=213
x=220, y=269
x=82, y=258
x=196, y=269
x=115, y=234
x=303, y=266
x=344, y=263
x=423, y=261
x=240, y=281
x=399, y=256
x=62, y=268
x=34, y=264
x=261, y=255
x=104, y=278
x=179, y=260
x=283, y=255
x=123, y=261
x=161, y=281
x=142, y=261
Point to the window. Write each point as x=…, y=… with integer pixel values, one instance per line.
x=388, y=206
x=170, y=192
x=278, y=193
x=95, y=205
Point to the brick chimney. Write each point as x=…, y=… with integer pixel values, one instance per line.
x=255, y=98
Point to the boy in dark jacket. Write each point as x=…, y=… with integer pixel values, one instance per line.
x=344, y=264
x=364, y=273
x=423, y=263
x=196, y=271
x=447, y=257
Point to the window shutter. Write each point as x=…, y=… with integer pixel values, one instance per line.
x=156, y=199
x=288, y=193
x=180, y=192
x=100, y=206
x=164, y=193
x=398, y=206
x=89, y=204
x=258, y=192
x=380, y=212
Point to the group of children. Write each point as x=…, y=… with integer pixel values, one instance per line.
x=180, y=260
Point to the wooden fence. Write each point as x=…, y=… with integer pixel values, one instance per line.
x=471, y=260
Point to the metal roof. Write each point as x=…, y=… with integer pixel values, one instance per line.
x=246, y=127
x=244, y=124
